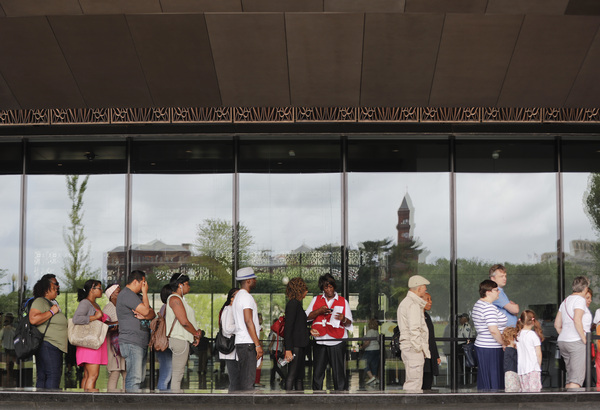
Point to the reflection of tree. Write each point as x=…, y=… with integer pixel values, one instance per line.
x=384, y=269
x=369, y=282
x=8, y=302
x=76, y=267
x=215, y=240
x=592, y=210
x=214, y=244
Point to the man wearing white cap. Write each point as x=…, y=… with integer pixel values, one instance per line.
x=414, y=335
x=247, y=344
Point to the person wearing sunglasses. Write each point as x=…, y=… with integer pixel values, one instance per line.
x=88, y=311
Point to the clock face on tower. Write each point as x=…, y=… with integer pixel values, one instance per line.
x=405, y=234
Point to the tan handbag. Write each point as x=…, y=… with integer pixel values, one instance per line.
x=91, y=335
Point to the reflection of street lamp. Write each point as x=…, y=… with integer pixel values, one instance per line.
x=25, y=278
x=14, y=278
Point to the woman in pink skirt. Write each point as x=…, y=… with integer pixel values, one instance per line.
x=88, y=311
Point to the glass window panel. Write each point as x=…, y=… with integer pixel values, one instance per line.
x=580, y=156
x=581, y=198
x=508, y=219
x=398, y=156
x=293, y=225
x=182, y=156
x=398, y=226
x=285, y=156
x=182, y=224
x=10, y=189
x=11, y=157
x=505, y=156
x=76, y=157
x=95, y=215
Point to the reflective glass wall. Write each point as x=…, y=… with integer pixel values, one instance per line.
x=398, y=226
x=371, y=211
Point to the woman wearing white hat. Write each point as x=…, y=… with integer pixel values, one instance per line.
x=116, y=363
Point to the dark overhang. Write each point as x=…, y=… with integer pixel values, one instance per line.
x=132, y=61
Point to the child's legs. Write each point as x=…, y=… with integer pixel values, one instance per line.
x=531, y=382
x=511, y=382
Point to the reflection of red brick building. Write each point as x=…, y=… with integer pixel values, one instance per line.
x=154, y=257
x=406, y=254
x=404, y=225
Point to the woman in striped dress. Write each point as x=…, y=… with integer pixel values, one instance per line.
x=489, y=323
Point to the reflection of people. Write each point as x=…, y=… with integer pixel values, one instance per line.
x=165, y=358
x=372, y=352
x=227, y=323
x=247, y=343
x=88, y=311
x=572, y=322
x=134, y=313
x=7, y=334
x=296, y=333
x=414, y=335
x=506, y=306
x=47, y=316
x=261, y=336
x=181, y=327
x=431, y=365
x=464, y=328
x=332, y=319
x=489, y=323
x=276, y=352
x=116, y=363
x=202, y=350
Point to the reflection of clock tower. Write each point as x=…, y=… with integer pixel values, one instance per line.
x=403, y=227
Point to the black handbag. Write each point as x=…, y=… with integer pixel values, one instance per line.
x=224, y=344
x=28, y=338
x=470, y=354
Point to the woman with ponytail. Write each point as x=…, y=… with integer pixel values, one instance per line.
x=88, y=311
x=181, y=328
x=529, y=349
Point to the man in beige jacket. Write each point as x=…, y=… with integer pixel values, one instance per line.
x=414, y=335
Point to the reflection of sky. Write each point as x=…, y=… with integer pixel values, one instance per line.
x=501, y=217
x=282, y=212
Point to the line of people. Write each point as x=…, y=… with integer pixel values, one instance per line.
x=509, y=348
x=128, y=313
x=328, y=314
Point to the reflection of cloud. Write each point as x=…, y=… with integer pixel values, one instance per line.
x=500, y=217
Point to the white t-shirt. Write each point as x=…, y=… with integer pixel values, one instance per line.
x=243, y=300
x=527, y=361
x=567, y=311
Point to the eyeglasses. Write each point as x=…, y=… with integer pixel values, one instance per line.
x=56, y=284
x=97, y=287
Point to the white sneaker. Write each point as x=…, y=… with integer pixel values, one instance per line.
x=371, y=380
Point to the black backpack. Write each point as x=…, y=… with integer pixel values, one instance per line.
x=395, y=343
x=28, y=338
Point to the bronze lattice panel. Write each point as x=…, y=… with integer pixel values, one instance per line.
x=199, y=115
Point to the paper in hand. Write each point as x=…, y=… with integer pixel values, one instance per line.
x=333, y=320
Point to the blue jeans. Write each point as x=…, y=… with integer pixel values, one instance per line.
x=165, y=368
x=372, y=361
x=48, y=363
x=135, y=361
